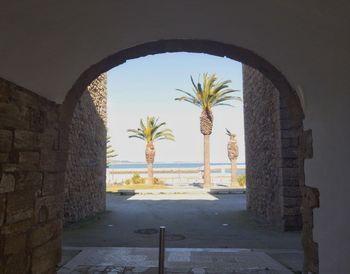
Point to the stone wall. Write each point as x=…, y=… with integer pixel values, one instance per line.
x=85, y=176
x=31, y=181
x=272, y=155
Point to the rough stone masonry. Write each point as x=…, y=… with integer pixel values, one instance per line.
x=272, y=153
x=85, y=176
x=31, y=182
x=32, y=173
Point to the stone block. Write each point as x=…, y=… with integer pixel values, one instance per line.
x=20, y=215
x=45, y=232
x=46, y=257
x=23, y=97
x=26, y=140
x=20, y=206
x=4, y=157
x=311, y=197
x=7, y=183
x=29, y=181
x=49, y=139
x=19, y=227
x=49, y=161
x=11, y=117
x=37, y=119
x=46, y=263
x=51, y=204
x=29, y=160
x=10, y=168
x=17, y=263
x=52, y=116
x=15, y=243
x=5, y=140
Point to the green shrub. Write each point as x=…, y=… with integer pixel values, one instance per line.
x=241, y=180
x=137, y=179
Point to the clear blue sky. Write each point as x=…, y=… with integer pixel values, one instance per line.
x=146, y=86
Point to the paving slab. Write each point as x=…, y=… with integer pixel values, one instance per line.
x=177, y=260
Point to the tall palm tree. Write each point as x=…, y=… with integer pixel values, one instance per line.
x=151, y=132
x=232, y=153
x=207, y=95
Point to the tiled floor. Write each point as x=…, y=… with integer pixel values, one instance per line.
x=178, y=260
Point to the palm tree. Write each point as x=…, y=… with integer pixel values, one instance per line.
x=150, y=133
x=207, y=95
x=232, y=153
x=110, y=153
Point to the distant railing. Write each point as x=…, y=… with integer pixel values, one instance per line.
x=143, y=171
x=180, y=176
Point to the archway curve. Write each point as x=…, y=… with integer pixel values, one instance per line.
x=215, y=48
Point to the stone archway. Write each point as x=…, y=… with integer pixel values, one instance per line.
x=286, y=92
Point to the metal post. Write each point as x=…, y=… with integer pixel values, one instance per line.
x=161, y=249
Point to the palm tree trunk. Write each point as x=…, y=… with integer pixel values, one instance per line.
x=150, y=153
x=233, y=172
x=207, y=179
x=150, y=173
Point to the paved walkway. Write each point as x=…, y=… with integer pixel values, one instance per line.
x=192, y=221
x=203, y=220
x=178, y=260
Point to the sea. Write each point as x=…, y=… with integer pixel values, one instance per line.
x=173, y=173
x=169, y=165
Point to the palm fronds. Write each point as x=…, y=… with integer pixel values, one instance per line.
x=110, y=152
x=210, y=93
x=150, y=131
x=229, y=133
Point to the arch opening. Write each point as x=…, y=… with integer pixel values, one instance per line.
x=287, y=94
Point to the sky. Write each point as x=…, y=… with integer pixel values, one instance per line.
x=147, y=86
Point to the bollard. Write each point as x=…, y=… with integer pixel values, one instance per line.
x=161, y=249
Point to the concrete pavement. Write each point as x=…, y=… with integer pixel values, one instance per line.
x=203, y=220
x=192, y=221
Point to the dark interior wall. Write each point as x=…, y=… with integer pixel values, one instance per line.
x=272, y=153
x=85, y=176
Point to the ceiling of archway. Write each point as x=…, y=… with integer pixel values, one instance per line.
x=46, y=45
